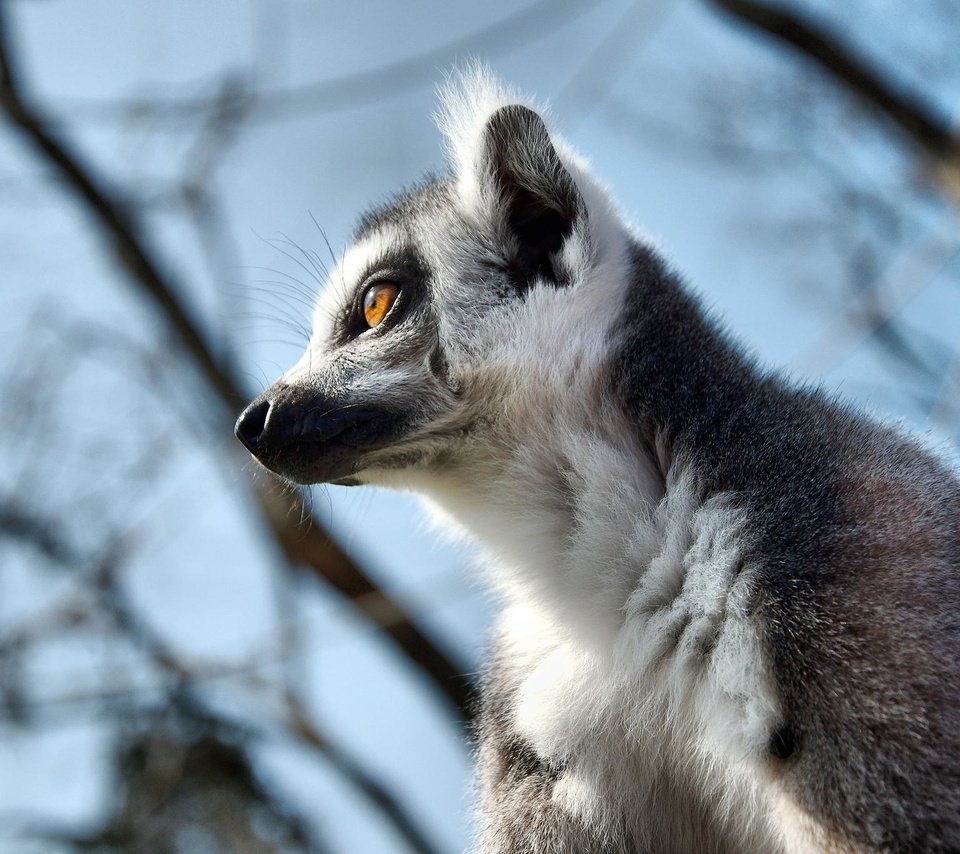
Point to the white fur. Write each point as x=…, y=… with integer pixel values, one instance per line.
x=467, y=101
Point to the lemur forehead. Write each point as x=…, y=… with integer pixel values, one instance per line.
x=421, y=201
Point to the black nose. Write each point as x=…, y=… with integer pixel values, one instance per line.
x=251, y=424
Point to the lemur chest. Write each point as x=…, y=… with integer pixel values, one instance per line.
x=671, y=644
x=674, y=703
x=649, y=751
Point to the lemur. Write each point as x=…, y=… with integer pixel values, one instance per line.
x=730, y=605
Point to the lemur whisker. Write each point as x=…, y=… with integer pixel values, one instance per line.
x=319, y=271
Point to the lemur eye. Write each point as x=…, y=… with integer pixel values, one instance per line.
x=377, y=301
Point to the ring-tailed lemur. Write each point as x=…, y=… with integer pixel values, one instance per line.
x=731, y=606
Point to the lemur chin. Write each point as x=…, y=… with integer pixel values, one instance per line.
x=731, y=606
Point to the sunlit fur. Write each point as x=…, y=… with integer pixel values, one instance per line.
x=632, y=697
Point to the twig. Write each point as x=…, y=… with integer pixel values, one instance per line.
x=23, y=526
x=877, y=303
x=117, y=224
x=907, y=110
x=114, y=602
x=348, y=768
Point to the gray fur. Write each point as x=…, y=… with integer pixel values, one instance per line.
x=730, y=605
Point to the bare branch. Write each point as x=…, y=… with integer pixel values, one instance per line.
x=372, y=789
x=907, y=110
x=861, y=318
x=25, y=527
x=298, y=721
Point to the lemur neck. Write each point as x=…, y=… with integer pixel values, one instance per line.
x=562, y=489
x=568, y=508
x=554, y=518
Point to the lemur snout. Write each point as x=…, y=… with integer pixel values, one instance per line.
x=308, y=437
x=251, y=423
x=279, y=418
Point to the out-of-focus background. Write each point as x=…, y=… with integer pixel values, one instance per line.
x=193, y=659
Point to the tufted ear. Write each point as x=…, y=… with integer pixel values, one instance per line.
x=534, y=195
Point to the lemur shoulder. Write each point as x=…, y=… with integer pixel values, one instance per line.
x=731, y=606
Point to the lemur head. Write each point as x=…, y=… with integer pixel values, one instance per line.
x=459, y=310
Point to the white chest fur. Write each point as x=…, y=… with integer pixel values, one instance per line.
x=662, y=703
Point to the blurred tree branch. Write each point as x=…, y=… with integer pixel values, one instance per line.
x=303, y=544
x=938, y=142
x=99, y=574
x=20, y=525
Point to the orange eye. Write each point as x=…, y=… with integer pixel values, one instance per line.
x=377, y=301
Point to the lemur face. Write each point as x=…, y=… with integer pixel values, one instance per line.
x=438, y=310
x=374, y=388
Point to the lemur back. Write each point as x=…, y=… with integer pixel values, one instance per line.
x=730, y=605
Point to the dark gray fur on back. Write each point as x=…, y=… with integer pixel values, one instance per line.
x=858, y=531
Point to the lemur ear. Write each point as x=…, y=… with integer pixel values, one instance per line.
x=537, y=195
